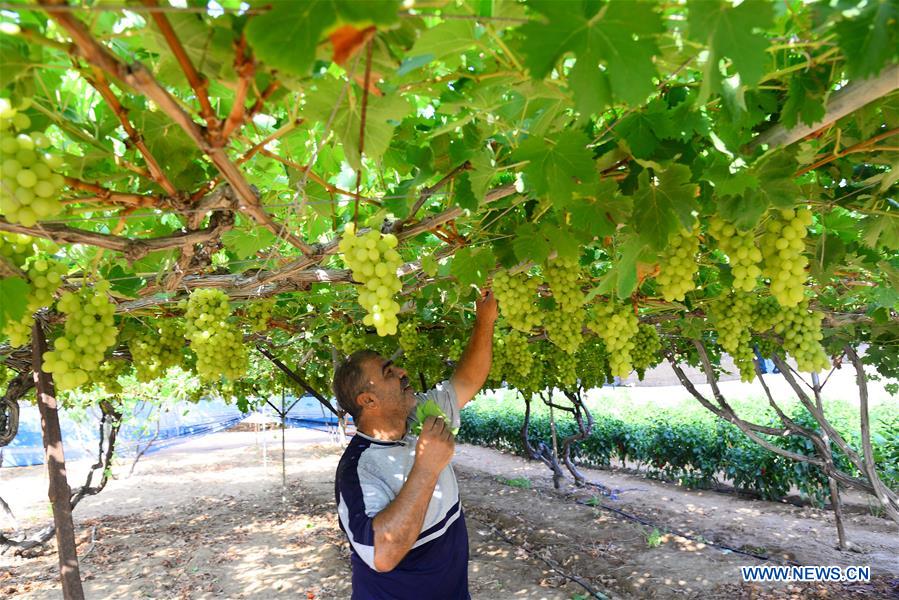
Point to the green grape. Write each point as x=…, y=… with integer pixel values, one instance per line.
x=410, y=340
x=678, y=264
x=561, y=371
x=89, y=331
x=733, y=317
x=740, y=248
x=348, y=340
x=518, y=357
x=456, y=349
x=765, y=313
x=592, y=359
x=15, y=247
x=617, y=325
x=214, y=339
x=498, y=362
x=155, y=351
x=45, y=275
x=374, y=261
x=801, y=331
x=564, y=325
x=783, y=245
x=259, y=314
x=516, y=295
x=646, y=349
x=107, y=376
x=29, y=189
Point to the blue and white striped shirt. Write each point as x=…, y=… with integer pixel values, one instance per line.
x=370, y=475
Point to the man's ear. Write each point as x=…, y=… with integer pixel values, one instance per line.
x=367, y=400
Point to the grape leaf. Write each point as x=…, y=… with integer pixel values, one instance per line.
x=562, y=240
x=425, y=410
x=557, y=165
x=639, y=131
x=446, y=42
x=529, y=244
x=730, y=33
x=247, y=243
x=805, y=98
x=463, y=194
x=383, y=113
x=662, y=208
x=305, y=24
x=870, y=39
x=14, y=293
x=778, y=187
x=617, y=34
x=472, y=265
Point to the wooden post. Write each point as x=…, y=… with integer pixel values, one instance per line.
x=283, y=451
x=59, y=492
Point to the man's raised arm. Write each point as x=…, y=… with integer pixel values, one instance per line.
x=471, y=373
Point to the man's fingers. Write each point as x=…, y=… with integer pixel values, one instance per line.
x=434, y=425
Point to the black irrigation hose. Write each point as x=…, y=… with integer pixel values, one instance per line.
x=594, y=593
x=648, y=523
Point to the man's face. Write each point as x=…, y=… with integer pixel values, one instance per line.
x=390, y=384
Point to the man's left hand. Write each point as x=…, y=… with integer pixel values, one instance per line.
x=486, y=309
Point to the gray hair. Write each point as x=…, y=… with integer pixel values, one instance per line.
x=349, y=381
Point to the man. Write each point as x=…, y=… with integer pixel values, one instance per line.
x=397, y=496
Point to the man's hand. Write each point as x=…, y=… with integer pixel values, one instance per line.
x=485, y=307
x=435, y=445
x=399, y=524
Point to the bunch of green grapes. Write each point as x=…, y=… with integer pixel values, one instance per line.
x=740, y=248
x=765, y=313
x=565, y=324
x=29, y=188
x=217, y=343
x=562, y=371
x=45, y=275
x=516, y=295
x=89, y=331
x=518, y=357
x=733, y=317
x=783, y=244
x=593, y=363
x=564, y=329
x=107, y=376
x=457, y=347
x=155, y=350
x=617, y=325
x=410, y=339
x=348, y=340
x=374, y=261
x=646, y=349
x=498, y=363
x=801, y=331
x=15, y=247
x=259, y=314
x=678, y=264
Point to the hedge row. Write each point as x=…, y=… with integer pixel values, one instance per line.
x=693, y=451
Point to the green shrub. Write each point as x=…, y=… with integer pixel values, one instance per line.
x=688, y=444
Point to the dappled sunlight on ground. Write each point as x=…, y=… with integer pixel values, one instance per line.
x=207, y=521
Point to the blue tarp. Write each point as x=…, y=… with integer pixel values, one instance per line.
x=81, y=435
x=183, y=420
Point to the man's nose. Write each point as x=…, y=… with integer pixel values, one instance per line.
x=402, y=372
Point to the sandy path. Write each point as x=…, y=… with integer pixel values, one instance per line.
x=205, y=519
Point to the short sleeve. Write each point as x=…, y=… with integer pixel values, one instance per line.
x=444, y=394
x=361, y=496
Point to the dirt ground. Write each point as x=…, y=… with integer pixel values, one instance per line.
x=209, y=519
